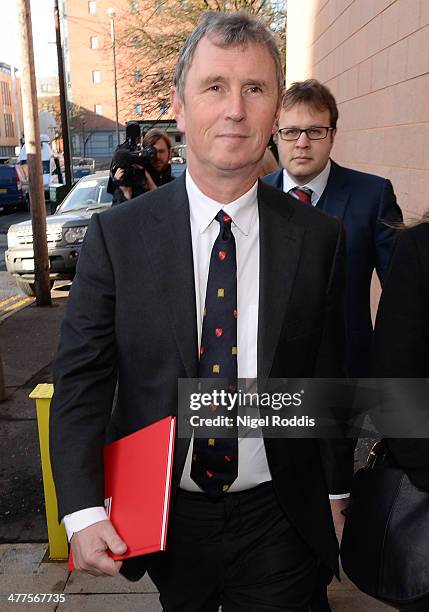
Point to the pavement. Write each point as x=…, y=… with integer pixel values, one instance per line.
x=28, y=341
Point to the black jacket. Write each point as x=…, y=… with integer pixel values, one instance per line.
x=131, y=316
x=401, y=347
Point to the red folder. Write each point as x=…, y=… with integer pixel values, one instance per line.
x=137, y=482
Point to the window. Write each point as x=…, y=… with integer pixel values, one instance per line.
x=110, y=143
x=136, y=42
x=92, y=7
x=163, y=107
x=8, y=124
x=137, y=109
x=98, y=109
x=134, y=6
x=138, y=76
x=96, y=76
x=5, y=91
x=177, y=138
x=93, y=42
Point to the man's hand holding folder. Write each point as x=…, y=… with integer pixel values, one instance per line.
x=137, y=482
x=90, y=547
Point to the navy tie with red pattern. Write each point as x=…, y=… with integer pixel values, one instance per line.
x=215, y=459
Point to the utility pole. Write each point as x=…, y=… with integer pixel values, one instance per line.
x=63, y=100
x=111, y=13
x=34, y=158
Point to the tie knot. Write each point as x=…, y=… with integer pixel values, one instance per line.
x=225, y=224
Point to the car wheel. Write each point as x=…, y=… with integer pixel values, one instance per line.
x=29, y=287
x=23, y=205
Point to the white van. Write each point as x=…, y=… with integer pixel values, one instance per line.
x=50, y=165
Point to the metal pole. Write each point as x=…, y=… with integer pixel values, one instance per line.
x=111, y=14
x=34, y=157
x=63, y=100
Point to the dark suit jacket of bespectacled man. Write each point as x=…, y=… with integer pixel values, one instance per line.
x=134, y=317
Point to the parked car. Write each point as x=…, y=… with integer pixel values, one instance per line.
x=82, y=167
x=11, y=195
x=66, y=229
x=51, y=169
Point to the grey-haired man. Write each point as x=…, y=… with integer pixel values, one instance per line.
x=136, y=314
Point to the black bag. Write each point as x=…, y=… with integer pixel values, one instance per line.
x=385, y=545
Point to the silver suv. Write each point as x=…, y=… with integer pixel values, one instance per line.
x=65, y=229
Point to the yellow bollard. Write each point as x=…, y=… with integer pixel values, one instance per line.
x=58, y=547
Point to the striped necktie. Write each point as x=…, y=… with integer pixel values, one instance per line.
x=302, y=193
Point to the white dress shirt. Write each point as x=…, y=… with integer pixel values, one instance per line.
x=317, y=185
x=252, y=461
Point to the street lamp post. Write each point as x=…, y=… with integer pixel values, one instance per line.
x=111, y=13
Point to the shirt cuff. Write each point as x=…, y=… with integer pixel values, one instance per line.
x=339, y=496
x=76, y=521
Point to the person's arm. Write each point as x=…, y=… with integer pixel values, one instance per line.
x=76, y=521
x=337, y=454
x=384, y=235
x=85, y=373
x=150, y=181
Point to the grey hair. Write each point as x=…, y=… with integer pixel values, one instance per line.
x=227, y=30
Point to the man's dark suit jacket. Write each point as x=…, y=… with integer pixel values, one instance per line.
x=401, y=347
x=131, y=316
x=362, y=202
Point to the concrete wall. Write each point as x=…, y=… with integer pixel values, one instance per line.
x=374, y=56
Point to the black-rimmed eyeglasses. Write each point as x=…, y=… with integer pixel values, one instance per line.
x=312, y=133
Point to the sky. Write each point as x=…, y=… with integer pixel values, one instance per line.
x=42, y=15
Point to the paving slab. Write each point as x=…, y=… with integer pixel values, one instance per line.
x=107, y=603
x=80, y=583
x=22, y=571
x=355, y=601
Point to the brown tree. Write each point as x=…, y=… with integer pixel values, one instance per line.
x=150, y=34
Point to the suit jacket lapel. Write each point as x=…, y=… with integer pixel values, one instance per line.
x=280, y=246
x=337, y=195
x=166, y=232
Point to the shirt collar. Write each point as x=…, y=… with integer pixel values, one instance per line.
x=317, y=185
x=204, y=209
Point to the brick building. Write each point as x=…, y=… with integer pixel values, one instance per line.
x=10, y=111
x=90, y=79
x=374, y=56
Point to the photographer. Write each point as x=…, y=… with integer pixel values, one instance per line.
x=129, y=176
x=160, y=168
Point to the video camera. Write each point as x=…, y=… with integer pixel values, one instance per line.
x=132, y=157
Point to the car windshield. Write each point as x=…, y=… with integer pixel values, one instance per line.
x=87, y=194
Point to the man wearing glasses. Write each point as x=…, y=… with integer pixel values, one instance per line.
x=363, y=202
